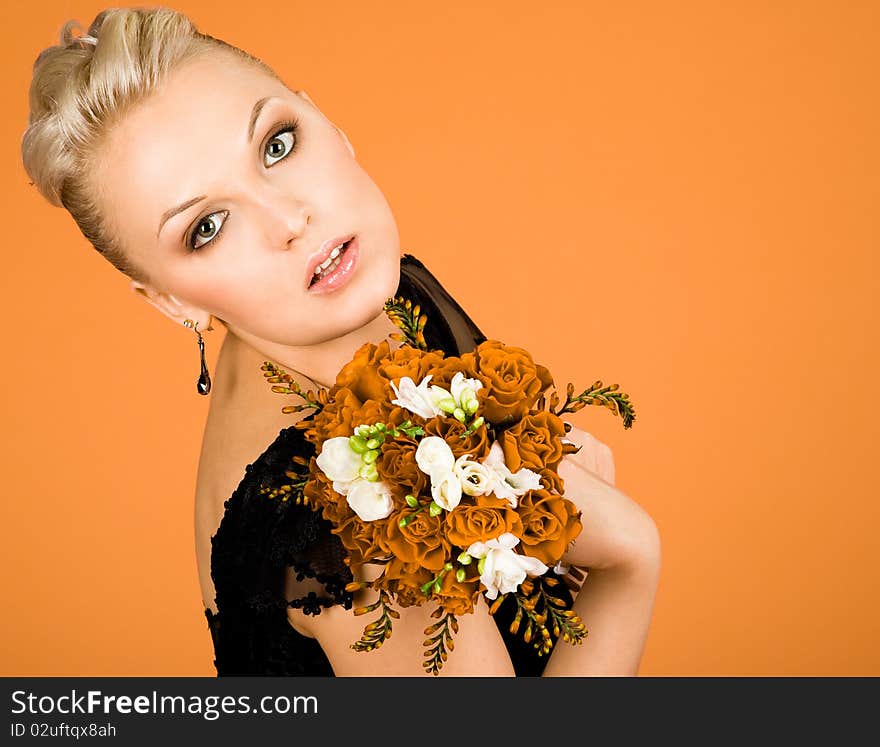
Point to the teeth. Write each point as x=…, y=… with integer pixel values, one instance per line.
x=333, y=255
x=330, y=264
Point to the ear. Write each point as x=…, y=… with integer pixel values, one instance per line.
x=344, y=137
x=171, y=307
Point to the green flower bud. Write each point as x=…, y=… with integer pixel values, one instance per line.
x=371, y=456
x=481, y=564
x=362, y=430
x=368, y=471
x=470, y=407
x=357, y=443
x=465, y=559
x=373, y=443
x=477, y=423
x=459, y=575
x=458, y=414
x=447, y=404
x=403, y=521
x=434, y=509
x=411, y=501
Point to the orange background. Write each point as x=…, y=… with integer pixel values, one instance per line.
x=678, y=197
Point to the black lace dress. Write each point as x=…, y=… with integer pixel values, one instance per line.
x=257, y=539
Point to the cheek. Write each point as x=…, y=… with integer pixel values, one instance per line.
x=235, y=291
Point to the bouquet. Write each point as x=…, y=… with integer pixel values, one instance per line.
x=443, y=469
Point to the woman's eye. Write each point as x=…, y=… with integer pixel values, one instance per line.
x=281, y=144
x=207, y=228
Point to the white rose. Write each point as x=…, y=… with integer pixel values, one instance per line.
x=370, y=499
x=506, y=484
x=445, y=489
x=434, y=455
x=418, y=399
x=475, y=479
x=503, y=569
x=338, y=460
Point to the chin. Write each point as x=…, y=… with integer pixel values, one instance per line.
x=377, y=279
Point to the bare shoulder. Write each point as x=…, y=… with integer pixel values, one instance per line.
x=244, y=418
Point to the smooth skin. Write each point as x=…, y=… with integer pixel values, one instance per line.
x=270, y=202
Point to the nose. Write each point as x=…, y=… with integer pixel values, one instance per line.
x=284, y=217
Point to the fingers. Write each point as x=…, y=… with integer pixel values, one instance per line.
x=605, y=462
x=593, y=455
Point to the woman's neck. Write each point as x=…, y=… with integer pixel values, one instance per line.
x=316, y=366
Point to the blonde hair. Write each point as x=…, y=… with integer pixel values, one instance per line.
x=84, y=85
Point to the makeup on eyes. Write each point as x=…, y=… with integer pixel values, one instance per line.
x=292, y=126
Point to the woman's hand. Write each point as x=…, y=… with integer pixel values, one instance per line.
x=593, y=455
x=616, y=531
x=620, y=547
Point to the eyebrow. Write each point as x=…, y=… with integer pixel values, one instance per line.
x=171, y=212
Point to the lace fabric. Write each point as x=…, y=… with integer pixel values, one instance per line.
x=258, y=538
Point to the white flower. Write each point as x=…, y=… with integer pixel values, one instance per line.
x=503, y=569
x=369, y=499
x=459, y=384
x=339, y=461
x=425, y=400
x=475, y=478
x=434, y=455
x=506, y=484
x=445, y=489
x=418, y=399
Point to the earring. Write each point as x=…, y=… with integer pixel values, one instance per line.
x=204, y=383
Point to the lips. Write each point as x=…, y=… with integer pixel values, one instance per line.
x=323, y=254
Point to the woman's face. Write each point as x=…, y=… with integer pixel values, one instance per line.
x=240, y=253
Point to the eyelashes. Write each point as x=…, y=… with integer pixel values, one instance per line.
x=288, y=126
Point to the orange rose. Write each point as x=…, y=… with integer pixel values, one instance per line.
x=399, y=415
x=335, y=418
x=408, y=361
x=363, y=539
x=551, y=480
x=420, y=541
x=405, y=580
x=512, y=381
x=487, y=518
x=450, y=429
x=374, y=411
x=533, y=442
x=360, y=374
x=459, y=597
x=321, y=496
x=397, y=465
x=444, y=371
x=549, y=523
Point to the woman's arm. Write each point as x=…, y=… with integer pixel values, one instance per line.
x=619, y=545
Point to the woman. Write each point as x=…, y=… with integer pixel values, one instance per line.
x=223, y=195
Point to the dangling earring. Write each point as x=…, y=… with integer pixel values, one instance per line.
x=204, y=383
